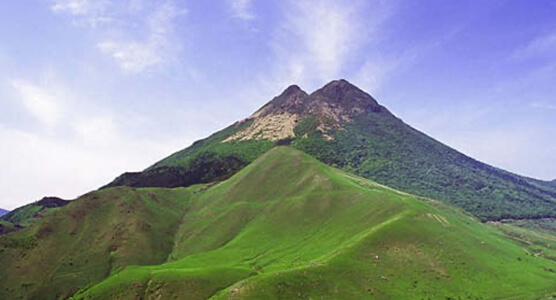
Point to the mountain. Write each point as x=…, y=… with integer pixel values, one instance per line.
x=347, y=128
x=285, y=227
x=25, y=215
x=3, y=212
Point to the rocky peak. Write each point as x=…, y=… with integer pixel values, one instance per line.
x=348, y=97
x=332, y=105
x=291, y=100
x=293, y=90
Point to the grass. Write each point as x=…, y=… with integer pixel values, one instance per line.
x=89, y=239
x=289, y=227
x=538, y=237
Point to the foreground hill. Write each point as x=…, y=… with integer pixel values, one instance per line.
x=88, y=239
x=286, y=226
x=345, y=127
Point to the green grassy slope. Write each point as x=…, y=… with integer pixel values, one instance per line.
x=289, y=227
x=27, y=214
x=537, y=236
x=90, y=238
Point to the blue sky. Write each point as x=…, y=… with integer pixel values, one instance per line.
x=92, y=88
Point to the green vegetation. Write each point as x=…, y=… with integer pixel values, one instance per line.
x=27, y=214
x=384, y=149
x=22, y=215
x=372, y=143
x=246, y=150
x=286, y=226
x=89, y=239
x=380, y=147
x=538, y=237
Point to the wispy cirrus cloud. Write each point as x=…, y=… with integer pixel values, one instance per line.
x=91, y=13
x=242, y=9
x=143, y=34
x=155, y=49
x=316, y=41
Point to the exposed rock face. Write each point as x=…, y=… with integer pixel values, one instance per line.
x=292, y=100
x=271, y=127
x=277, y=119
x=331, y=106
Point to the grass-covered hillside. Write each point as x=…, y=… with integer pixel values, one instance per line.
x=90, y=238
x=344, y=127
x=24, y=216
x=27, y=214
x=284, y=227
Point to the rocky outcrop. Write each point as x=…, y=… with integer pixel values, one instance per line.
x=331, y=106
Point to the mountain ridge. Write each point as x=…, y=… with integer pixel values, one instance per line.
x=343, y=126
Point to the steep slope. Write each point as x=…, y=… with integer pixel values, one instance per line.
x=289, y=227
x=88, y=239
x=345, y=127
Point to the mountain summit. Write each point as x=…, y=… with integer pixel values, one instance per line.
x=329, y=107
x=252, y=219
x=343, y=126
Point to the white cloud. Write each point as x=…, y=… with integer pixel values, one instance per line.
x=86, y=144
x=90, y=13
x=132, y=56
x=96, y=129
x=242, y=9
x=326, y=32
x=157, y=48
x=141, y=34
x=85, y=147
x=42, y=103
x=318, y=41
x=74, y=7
x=35, y=166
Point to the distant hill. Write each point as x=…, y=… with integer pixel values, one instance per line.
x=25, y=215
x=284, y=227
x=345, y=127
x=3, y=212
